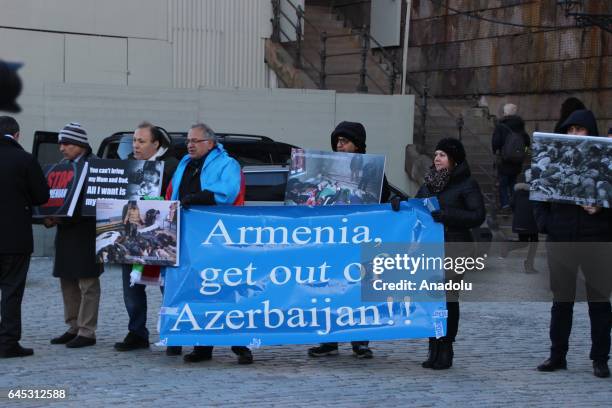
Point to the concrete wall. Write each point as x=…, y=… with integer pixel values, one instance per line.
x=301, y=117
x=536, y=68
x=160, y=43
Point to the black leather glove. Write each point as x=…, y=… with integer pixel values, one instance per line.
x=395, y=203
x=438, y=216
x=204, y=197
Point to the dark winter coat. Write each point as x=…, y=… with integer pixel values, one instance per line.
x=461, y=203
x=571, y=223
x=505, y=127
x=75, y=244
x=23, y=185
x=523, y=221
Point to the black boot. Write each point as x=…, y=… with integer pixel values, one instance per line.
x=554, y=363
x=444, y=359
x=432, y=354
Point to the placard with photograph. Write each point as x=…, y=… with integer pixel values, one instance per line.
x=137, y=232
x=121, y=180
x=571, y=169
x=334, y=178
x=65, y=181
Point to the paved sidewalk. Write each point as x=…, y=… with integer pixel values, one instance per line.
x=498, y=347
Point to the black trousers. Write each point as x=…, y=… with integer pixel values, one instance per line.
x=564, y=260
x=13, y=272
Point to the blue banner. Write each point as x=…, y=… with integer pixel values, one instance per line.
x=288, y=275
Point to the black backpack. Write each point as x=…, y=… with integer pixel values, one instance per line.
x=514, y=148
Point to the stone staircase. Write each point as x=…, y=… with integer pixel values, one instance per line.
x=320, y=19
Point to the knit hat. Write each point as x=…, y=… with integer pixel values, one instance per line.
x=353, y=131
x=73, y=133
x=453, y=148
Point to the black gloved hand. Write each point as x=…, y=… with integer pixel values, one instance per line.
x=203, y=197
x=438, y=216
x=186, y=201
x=395, y=203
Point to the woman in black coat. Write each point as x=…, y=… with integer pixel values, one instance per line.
x=461, y=208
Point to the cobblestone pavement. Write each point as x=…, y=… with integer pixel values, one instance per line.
x=498, y=347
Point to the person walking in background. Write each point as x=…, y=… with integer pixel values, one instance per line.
x=578, y=238
x=75, y=250
x=461, y=208
x=23, y=185
x=509, y=143
x=523, y=224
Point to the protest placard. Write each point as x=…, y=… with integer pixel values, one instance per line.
x=137, y=232
x=263, y=276
x=333, y=178
x=571, y=169
x=121, y=180
x=65, y=180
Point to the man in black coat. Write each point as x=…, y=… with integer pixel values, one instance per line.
x=75, y=250
x=23, y=185
x=350, y=137
x=153, y=144
x=507, y=171
x=578, y=238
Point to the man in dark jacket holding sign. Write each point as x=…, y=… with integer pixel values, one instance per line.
x=509, y=144
x=152, y=144
x=578, y=238
x=23, y=185
x=75, y=249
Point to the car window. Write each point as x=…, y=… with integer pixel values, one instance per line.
x=48, y=153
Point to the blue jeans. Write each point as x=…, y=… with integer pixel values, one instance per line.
x=135, y=299
x=506, y=188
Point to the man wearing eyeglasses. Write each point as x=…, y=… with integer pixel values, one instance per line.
x=207, y=175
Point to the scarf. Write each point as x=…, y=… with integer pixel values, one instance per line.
x=436, y=180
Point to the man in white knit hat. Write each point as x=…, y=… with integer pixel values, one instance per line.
x=75, y=263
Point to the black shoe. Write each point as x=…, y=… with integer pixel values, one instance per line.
x=174, y=350
x=432, y=354
x=132, y=342
x=324, y=349
x=16, y=351
x=63, y=339
x=444, y=359
x=601, y=369
x=553, y=364
x=529, y=268
x=362, y=351
x=81, y=341
x=244, y=354
x=199, y=353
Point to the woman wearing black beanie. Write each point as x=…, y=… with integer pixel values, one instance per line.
x=461, y=208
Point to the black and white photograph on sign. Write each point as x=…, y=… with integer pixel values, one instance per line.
x=571, y=169
x=121, y=180
x=65, y=180
x=332, y=178
x=141, y=232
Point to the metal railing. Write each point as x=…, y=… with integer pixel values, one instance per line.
x=320, y=73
